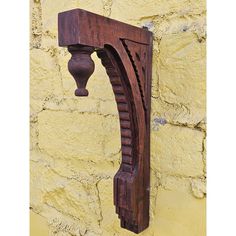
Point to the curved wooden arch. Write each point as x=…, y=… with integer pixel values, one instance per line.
x=126, y=53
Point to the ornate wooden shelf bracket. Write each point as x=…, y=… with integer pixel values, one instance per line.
x=126, y=53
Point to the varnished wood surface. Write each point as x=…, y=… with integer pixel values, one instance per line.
x=126, y=53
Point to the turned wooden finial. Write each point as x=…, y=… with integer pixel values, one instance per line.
x=81, y=67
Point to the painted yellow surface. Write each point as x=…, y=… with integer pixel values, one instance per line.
x=38, y=225
x=75, y=142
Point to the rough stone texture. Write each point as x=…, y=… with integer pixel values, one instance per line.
x=177, y=151
x=75, y=142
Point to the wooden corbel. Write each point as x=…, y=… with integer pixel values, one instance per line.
x=126, y=53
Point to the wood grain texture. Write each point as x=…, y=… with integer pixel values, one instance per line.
x=126, y=53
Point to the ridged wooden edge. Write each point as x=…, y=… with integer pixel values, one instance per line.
x=126, y=179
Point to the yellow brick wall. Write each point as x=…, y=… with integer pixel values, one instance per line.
x=75, y=142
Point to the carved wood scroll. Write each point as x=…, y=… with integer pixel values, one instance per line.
x=126, y=53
